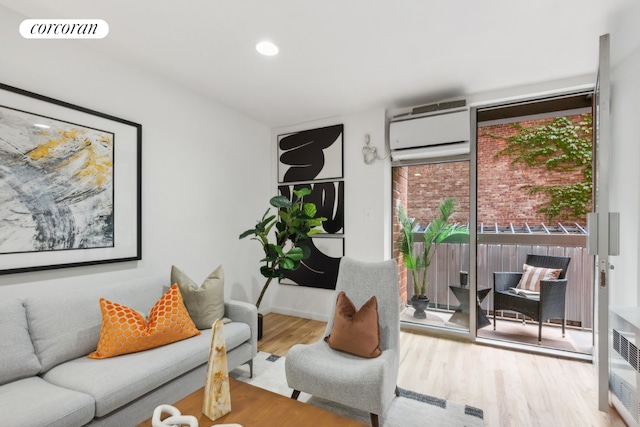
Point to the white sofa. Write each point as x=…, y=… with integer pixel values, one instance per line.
x=46, y=378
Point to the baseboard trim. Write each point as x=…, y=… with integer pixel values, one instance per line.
x=299, y=313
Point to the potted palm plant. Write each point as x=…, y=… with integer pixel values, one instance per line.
x=418, y=262
x=294, y=222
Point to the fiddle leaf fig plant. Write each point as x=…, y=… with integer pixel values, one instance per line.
x=294, y=222
x=438, y=230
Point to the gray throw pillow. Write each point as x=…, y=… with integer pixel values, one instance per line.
x=205, y=303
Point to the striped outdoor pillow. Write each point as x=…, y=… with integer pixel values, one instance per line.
x=531, y=277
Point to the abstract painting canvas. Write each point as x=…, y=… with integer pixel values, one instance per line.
x=311, y=154
x=329, y=200
x=320, y=270
x=69, y=184
x=57, y=193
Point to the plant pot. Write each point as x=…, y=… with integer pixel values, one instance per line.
x=259, y=326
x=419, y=304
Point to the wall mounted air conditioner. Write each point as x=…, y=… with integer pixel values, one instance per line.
x=432, y=134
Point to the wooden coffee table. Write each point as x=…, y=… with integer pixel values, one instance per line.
x=255, y=407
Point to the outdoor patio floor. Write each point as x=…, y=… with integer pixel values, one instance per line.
x=511, y=330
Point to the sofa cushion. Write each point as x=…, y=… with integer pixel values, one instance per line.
x=34, y=402
x=117, y=381
x=66, y=325
x=205, y=303
x=19, y=358
x=124, y=330
x=235, y=333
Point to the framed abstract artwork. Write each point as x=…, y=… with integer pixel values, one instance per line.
x=314, y=159
x=320, y=270
x=329, y=200
x=311, y=155
x=70, y=183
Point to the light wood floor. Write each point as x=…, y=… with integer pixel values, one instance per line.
x=512, y=388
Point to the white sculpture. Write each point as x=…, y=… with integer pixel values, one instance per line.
x=175, y=418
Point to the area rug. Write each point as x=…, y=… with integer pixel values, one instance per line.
x=409, y=410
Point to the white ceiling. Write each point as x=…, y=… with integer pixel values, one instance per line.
x=344, y=56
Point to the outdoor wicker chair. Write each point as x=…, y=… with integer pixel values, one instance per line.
x=549, y=305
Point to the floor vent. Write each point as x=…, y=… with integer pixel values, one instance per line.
x=625, y=395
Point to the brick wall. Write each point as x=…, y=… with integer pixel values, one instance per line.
x=501, y=196
x=429, y=184
x=400, y=196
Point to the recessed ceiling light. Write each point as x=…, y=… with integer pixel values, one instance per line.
x=267, y=48
x=40, y=125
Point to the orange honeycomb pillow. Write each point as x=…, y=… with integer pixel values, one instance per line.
x=124, y=330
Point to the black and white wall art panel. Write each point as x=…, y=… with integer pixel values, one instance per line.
x=320, y=270
x=308, y=155
x=329, y=200
x=314, y=159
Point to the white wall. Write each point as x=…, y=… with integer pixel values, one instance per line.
x=204, y=165
x=367, y=201
x=625, y=153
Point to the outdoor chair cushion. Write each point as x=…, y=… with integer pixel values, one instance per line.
x=531, y=277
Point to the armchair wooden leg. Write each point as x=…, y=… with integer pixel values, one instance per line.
x=563, y=323
x=374, y=420
x=295, y=394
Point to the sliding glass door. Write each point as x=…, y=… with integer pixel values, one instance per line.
x=534, y=189
x=423, y=191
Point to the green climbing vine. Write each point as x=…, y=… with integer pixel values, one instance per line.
x=557, y=145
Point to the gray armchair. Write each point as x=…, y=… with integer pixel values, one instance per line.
x=550, y=304
x=366, y=384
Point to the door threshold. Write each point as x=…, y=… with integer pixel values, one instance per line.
x=528, y=348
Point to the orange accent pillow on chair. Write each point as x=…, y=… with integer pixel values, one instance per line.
x=356, y=331
x=124, y=330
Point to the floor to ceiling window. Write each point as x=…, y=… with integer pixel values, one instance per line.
x=533, y=189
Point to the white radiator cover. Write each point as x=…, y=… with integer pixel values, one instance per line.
x=624, y=362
